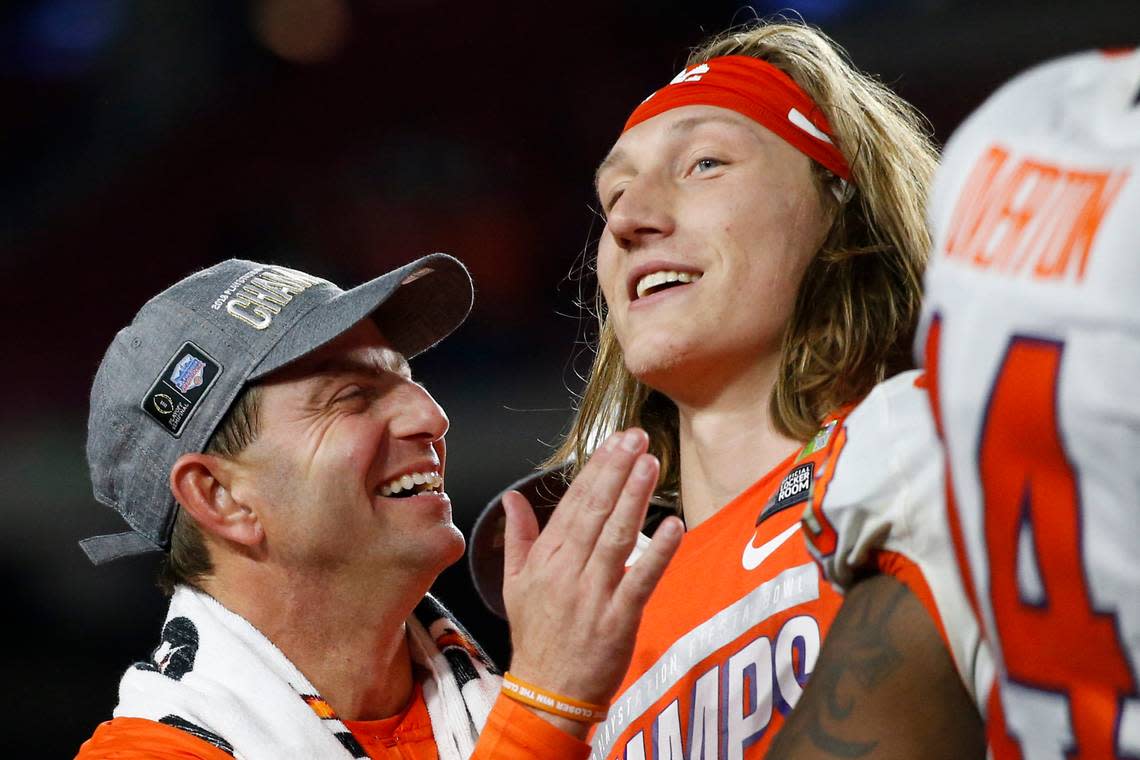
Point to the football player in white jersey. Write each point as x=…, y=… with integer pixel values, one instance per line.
x=905, y=641
x=1031, y=340
x=1031, y=336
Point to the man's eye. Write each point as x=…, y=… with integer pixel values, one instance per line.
x=352, y=393
x=707, y=163
x=613, y=199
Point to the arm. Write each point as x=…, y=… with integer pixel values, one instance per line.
x=516, y=732
x=884, y=687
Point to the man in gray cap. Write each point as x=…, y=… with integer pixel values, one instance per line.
x=261, y=427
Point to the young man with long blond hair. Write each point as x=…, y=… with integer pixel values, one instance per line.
x=759, y=273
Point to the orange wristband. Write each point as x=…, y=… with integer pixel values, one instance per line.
x=555, y=704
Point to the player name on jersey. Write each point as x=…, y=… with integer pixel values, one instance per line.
x=1028, y=217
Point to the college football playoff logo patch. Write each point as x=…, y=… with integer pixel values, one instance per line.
x=180, y=388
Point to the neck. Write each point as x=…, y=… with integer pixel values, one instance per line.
x=353, y=648
x=728, y=440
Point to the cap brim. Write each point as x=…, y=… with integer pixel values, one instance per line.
x=415, y=306
x=485, y=557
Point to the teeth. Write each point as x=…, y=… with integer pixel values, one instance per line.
x=653, y=279
x=431, y=481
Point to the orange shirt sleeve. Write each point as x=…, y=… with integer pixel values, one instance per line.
x=515, y=733
x=141, y=739
x=910, y=575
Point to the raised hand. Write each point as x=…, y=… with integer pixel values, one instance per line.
x=573, y=607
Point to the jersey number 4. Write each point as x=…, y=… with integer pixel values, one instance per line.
x=1055, y=641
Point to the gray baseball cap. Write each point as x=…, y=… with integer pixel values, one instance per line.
x=169, y=378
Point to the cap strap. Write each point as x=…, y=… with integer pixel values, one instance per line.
x=100, y=549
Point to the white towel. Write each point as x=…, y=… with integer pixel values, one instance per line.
x=217, y=677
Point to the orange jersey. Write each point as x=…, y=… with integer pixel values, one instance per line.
x=1031, y=337
x=142, y=739
x=731, y=633
x=512, y=733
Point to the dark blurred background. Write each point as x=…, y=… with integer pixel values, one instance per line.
x=143, y=139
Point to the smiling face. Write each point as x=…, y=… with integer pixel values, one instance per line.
x=711, y=221
x=346, y=473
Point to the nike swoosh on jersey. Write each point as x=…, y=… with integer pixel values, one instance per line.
x=754, y=555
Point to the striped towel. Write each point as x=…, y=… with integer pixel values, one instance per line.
x=217, y=677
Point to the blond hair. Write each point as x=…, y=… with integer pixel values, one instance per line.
x=856, y=309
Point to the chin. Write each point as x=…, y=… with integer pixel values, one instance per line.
x=655, y=353
x=663, y=367
x=444, y=549
x=457, y=546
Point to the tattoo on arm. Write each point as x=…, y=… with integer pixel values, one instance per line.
x=860, y=657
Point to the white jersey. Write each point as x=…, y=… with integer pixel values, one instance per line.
x=1031, y=337
x=878, y=505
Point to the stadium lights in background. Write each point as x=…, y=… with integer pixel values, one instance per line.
x=60, y=39
x=301, y=31
x=812, y=11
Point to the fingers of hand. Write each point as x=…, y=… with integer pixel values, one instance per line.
x=591, y=503
x=638, y=583
x=521, y=532
x=619, y=534
x=601, y=477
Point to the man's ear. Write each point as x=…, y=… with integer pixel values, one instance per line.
x=201, y=485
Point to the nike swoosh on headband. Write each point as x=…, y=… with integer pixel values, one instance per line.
x=801, y=121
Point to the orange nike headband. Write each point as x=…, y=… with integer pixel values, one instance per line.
x=755, y=89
